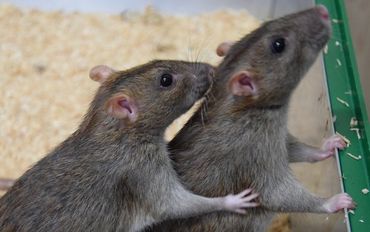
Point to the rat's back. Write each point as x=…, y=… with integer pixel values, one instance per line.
x=56, y=195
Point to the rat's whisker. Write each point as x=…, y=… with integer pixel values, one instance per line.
x=211, y=96
x=201, y=116
x=205, y=103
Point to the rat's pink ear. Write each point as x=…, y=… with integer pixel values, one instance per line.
x=101, y=73
x=224, y=48
x=243, y=84
x=122, y=107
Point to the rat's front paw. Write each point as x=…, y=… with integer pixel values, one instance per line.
x=334, y=142
x=238, y=203
x=339, y=202
x=329, y=146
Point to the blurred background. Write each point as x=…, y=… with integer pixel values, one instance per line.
x=358, y=12
x=47, y=48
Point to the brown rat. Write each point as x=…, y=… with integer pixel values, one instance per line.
x=114, y=173
x=243, y=140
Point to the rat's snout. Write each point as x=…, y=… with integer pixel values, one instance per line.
x=313, y=26
x=204, y=73
x=324, y=13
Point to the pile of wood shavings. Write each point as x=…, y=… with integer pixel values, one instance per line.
x=45, y=58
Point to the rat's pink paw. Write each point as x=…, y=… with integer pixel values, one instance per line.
x=334, y=142
x=339, y=202
x=237, y=203
x=329, y=146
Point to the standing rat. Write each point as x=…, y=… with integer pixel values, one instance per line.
x=243, y=139
x=114, y=173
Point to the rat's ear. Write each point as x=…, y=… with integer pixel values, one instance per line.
x=243, y=84
x=122, y=107
x=101, y=73
x=224, y=48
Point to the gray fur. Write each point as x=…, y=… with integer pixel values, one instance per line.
x=245, y=142
x=110, y=175
x=301, y=152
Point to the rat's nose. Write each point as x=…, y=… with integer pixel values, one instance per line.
x=324, y=13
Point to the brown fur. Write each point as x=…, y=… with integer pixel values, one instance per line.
x=111, y=175
x=245, y=142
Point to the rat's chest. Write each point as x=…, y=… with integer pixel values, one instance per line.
x=251, y=139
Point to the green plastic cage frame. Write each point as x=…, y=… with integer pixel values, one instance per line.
x=347, y=103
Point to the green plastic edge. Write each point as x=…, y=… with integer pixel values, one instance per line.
x=344, y=84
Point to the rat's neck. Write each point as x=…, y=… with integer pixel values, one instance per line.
x=274, y=114
x=221, y=104
x=101, y=127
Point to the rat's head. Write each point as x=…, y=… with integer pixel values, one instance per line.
x=151, y=95
x=265, y=66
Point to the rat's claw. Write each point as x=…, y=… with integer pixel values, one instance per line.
x=329, y=146
x=339, y=202
x=334, y=142
x=237, y=203
x=251, y=197
x=245, y=192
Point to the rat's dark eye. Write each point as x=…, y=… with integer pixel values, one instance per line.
x=166, y=80
x=278, y=45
